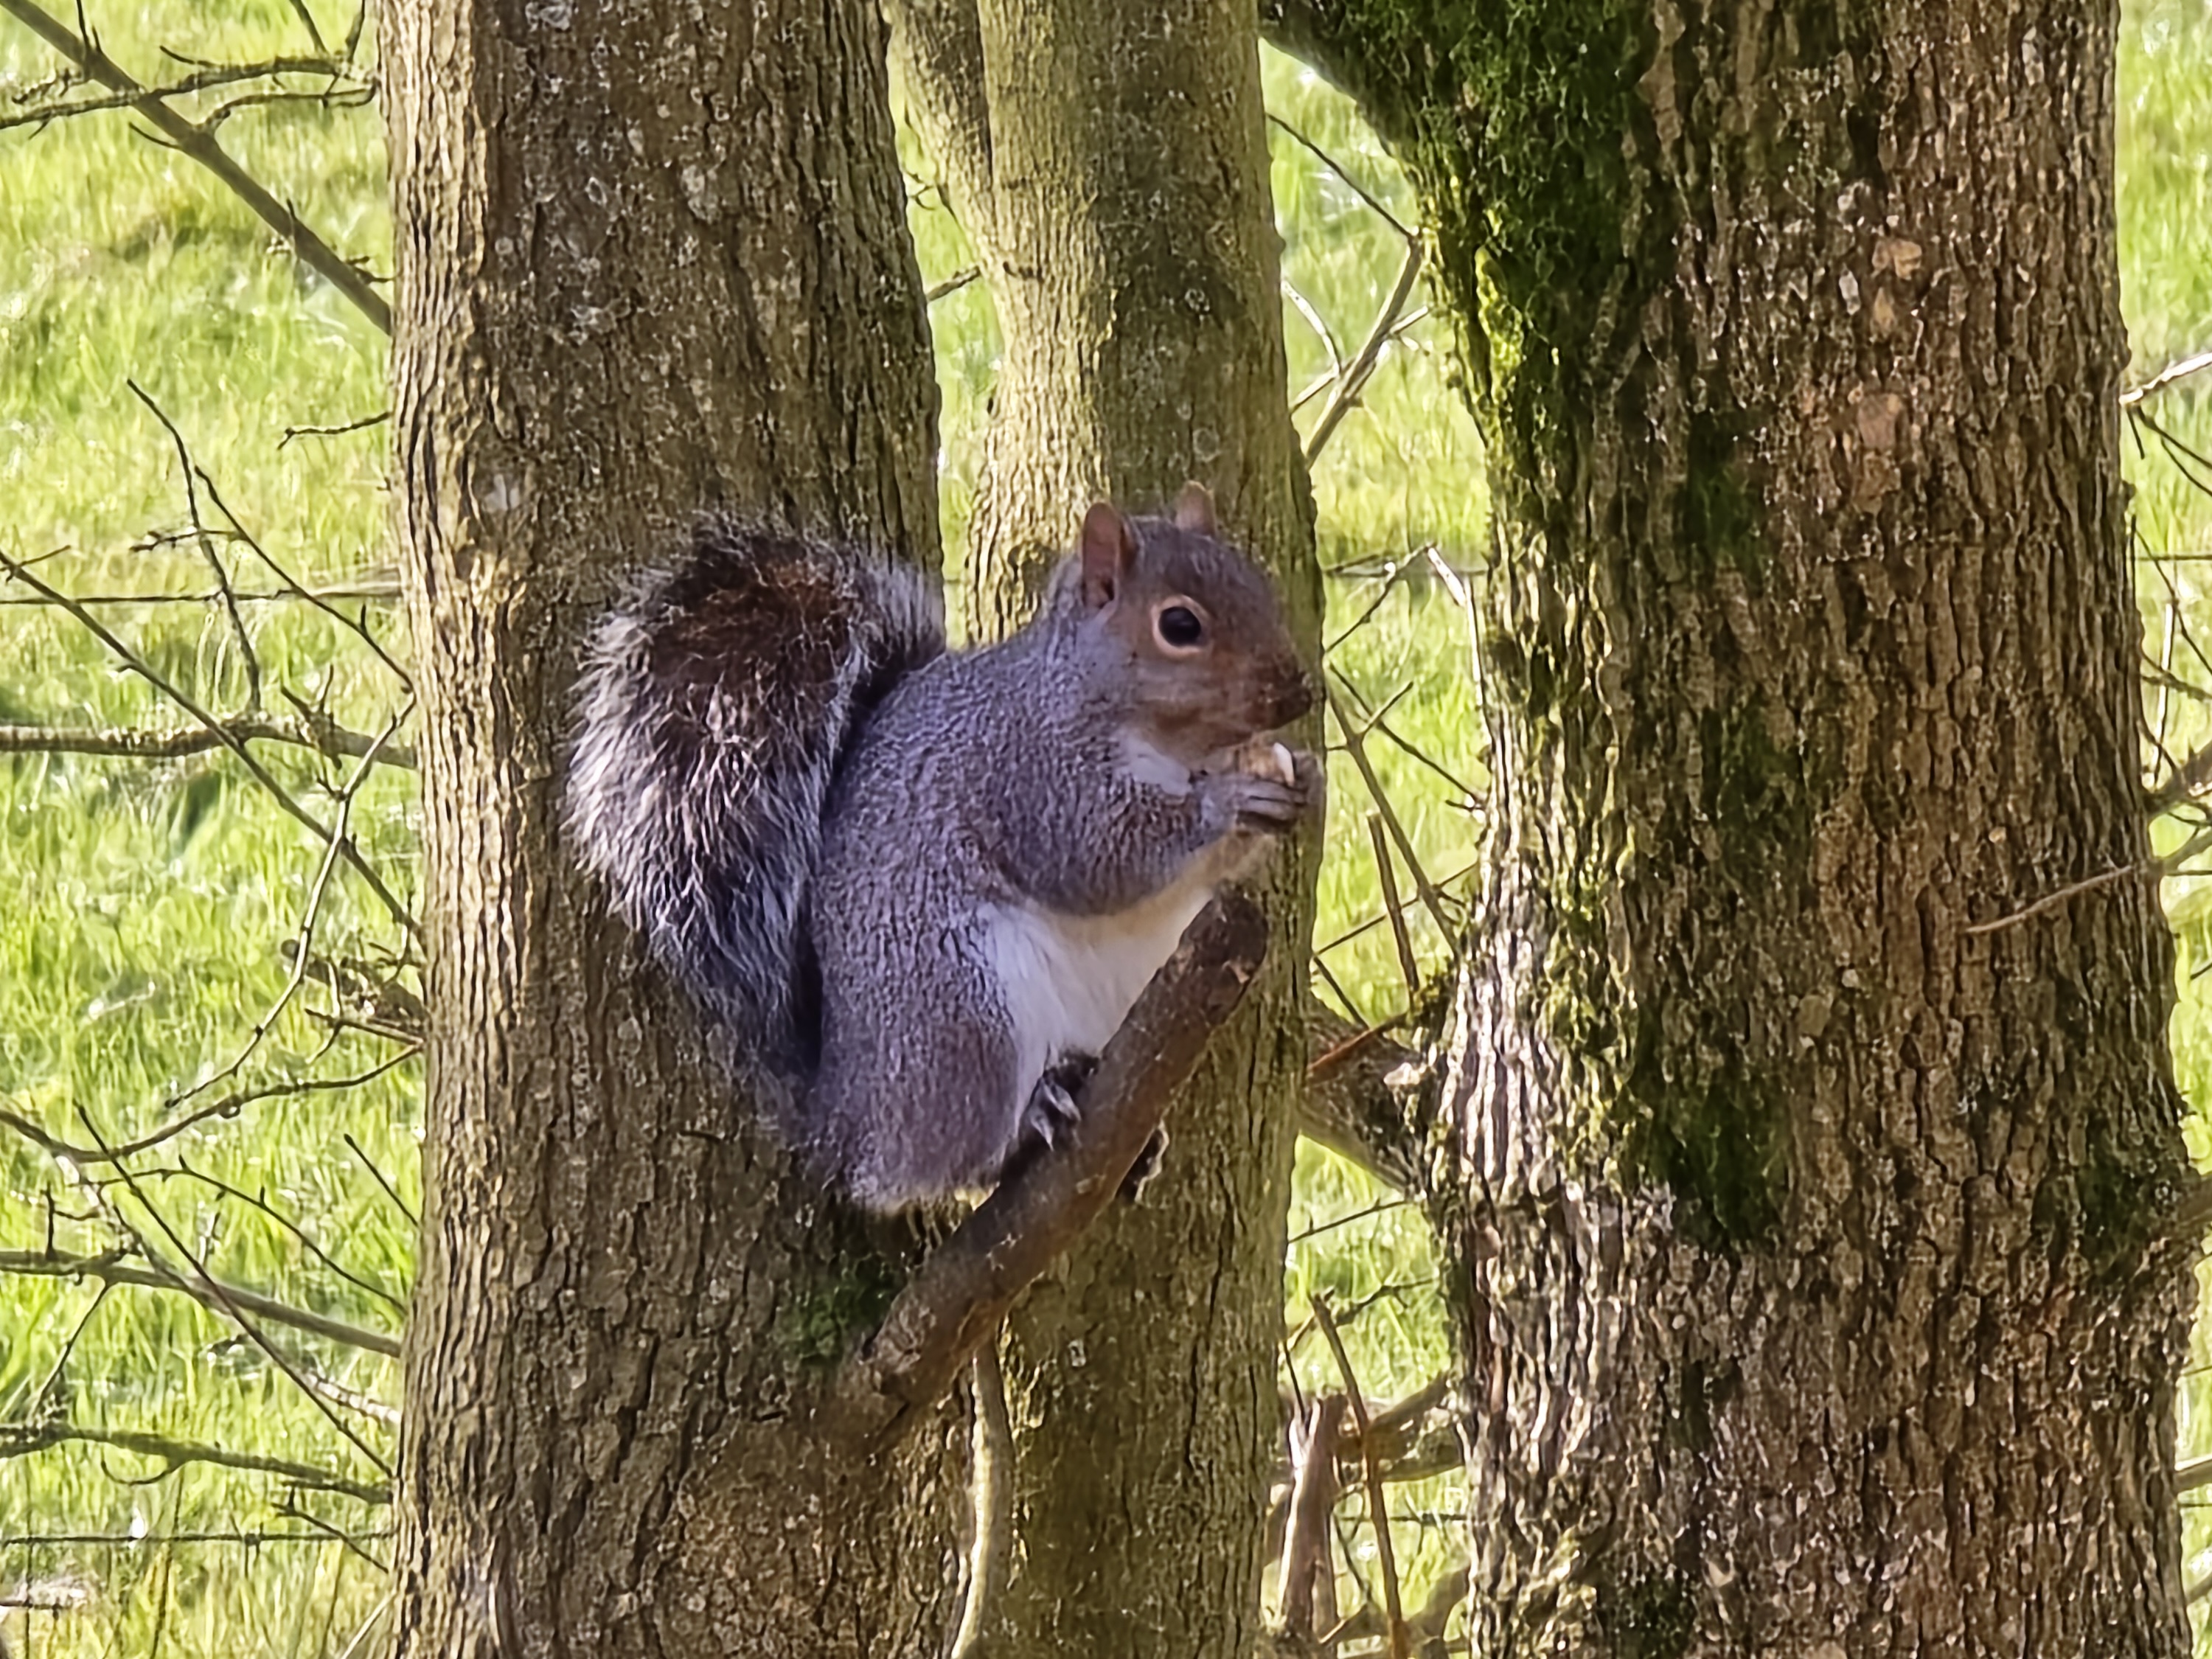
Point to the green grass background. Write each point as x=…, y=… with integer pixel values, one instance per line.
x=150, y=904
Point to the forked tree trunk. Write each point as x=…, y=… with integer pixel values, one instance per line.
x=1817, y=1144
x=651, y=260
x=1110, y=165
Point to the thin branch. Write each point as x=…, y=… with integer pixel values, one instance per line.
x=206, y=79
x=339, y=431
x=228, y=1106
x=1405, y=231
x=238, y=1315
x=303, y=941
x=200, y=144
x=380, y=593
x=139, y=1541
x=381, y=1179
x=952, y=284
x=1305, y=1591
x=222, y=572
x=2165, y=378
x=1355, y=379
x=142, y=742
x=1378, y=1509
x=2149, y=870
x=21, y=1439
x=1408, y=965
x=111, y=1268
x=1355, y=745
x=954, y=1303
x=153, y=677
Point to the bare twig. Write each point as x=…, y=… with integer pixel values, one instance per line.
x=111, y=1268
x=2165, y=378
x=152, y=676
x=2149, y=870
x=142, y=742
x=956, y=1302
x=20, y=1440
x=1306, y=1589
x=382, y=1179
x=236, y=1313
x=1378, y=1511
x=200, y=144
x=1378, y=920
x=338, y=431
x=250, y=658
x=1355, y=377
x=1355, y=745
x=229, y=1105
x=259, y=1202
x=1407, y=967
x=952, y=284
x=205, y=79
x=1405, y=231
x=379, y=592
x=303, y=941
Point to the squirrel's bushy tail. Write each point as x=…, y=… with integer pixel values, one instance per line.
x=714, y=702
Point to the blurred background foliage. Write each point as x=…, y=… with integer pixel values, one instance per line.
x=178, y=948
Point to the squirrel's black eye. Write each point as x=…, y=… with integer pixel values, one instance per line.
x=1179, y=627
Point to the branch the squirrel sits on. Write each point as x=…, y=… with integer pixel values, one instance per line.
x=910, y=885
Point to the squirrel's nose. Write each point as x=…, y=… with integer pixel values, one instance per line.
x=1298, y=695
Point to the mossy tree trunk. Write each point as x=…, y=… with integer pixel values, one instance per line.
x=651, y=260
x=1816, y=1142
x=1110, y=164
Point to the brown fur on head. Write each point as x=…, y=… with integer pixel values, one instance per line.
x=1212, y=659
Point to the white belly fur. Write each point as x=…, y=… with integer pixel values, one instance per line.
x=1069, y=980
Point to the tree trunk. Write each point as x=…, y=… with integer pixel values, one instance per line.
x=1817, y=1144
x=651, y=260
x=1110, y=166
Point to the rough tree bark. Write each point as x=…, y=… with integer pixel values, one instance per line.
x=651, y=259
x=1817, y=1145
x=1110, y=164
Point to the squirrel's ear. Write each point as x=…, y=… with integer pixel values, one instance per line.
x=1195, y=509
x=1108, y=550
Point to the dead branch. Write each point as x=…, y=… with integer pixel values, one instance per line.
x=1355, y=745
x=85, y=1158
x=199, y=143
x=2165, y=378
x=956, y=1302
x=376, y=591
x=142, y=743
x=111, y=1268
x=1378, y=1509
x=237, y=1314
x=1306, y=1589
x=145, y=671
x=207, y=78
x=1345, y=398
x=21, y=1439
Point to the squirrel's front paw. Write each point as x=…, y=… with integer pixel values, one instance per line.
x=1268, y=789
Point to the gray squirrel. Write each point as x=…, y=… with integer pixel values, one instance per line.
x=908, y=884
